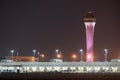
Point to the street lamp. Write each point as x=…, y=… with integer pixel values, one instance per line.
x=38, y=56
x=81, y=54
x=34, y=51
x=57, y=51
x=12, y=51
x=105, y=54
x=17, y=55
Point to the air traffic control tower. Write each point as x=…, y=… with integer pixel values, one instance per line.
x=89, y=22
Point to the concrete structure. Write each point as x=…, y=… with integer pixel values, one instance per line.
x=63, y=67
x=89, y=21
x=22, y=58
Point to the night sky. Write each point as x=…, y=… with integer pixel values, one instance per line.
x=46, y=25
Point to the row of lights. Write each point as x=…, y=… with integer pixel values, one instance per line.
x=59, y=55
x=34, y=52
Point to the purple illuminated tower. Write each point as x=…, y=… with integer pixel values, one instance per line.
x=89, y=21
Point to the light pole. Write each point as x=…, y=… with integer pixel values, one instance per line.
x=105, y=54
x=17, y=56
x=57, y=51
x=17, y=53
x=38, y=56
x=81, y=54
x=34, y=51
x=12, y=51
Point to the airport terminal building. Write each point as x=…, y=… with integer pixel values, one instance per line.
x=64, y=67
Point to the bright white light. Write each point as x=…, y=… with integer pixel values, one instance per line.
x=34, y=50
x=57, y=50
x=12, y=51
x=105, y=49
x=81, y=50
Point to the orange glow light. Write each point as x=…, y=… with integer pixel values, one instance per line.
x=42, y=55
x=58, y=55
x=74, y=56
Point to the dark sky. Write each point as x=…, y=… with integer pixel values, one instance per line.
x=46, y=25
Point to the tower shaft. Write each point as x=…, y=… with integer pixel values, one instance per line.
x=89, y=40
x=89, y=21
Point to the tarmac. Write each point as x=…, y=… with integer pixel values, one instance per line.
x=59, y=76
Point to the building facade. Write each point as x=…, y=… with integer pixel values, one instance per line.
x=64, y=67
